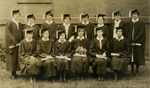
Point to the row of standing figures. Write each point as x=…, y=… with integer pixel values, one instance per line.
x=53, y=50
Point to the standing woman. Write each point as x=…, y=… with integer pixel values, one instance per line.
x=67, y=27
x=100, y=19
x=99, y=49
x=13, y=37
x=117, y=23
x=89, y=26
x=31, y=24
x=80, y=48
x=45, y=51
x=62, y=54
x=28, y=62
x=120, y=47
x=136, y=34
x=50, y=24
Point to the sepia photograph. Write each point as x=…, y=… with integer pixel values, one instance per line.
x=74, y=43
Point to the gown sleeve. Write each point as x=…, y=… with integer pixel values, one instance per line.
x=39, y=51
x=24, y=57
x=10, y=40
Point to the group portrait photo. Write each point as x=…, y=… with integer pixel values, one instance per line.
x=74, y=44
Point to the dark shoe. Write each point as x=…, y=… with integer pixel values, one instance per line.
x=16, y=76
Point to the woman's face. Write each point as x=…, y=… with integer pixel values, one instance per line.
x=119, y=33
x=29, y=35
x=49, y=17
x=117, y=17
x=85, y=19
x=67, y=20
x=16, y=16
x=80, y=32
x=100, y=20
x=46, y=34
x=134, y=15
x=31, y=20
x=62, y=36
x=99, y=33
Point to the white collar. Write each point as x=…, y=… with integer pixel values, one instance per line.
x=28, y=40
x=66, y=24
x=100, y=39
x=135, y=20
x=120, y=38
x=31, y=24
x=49, y=22
x=80, y=37
x=87, y=22
x=61, y=41
x=117, y=21
x=15, y=21
x=100, y=25
x=45, y=39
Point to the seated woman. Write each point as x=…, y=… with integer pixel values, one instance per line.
x=45, y=51
x=99, y=50
x=28, y=63
x=80, y=48
x=120, y=53
x=62, y=54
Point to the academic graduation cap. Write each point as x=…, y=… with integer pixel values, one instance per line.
x=119, y=28
x=63, y=16
x=30, y=16
x=133, y=11
x=115, y=13
x=82, y=27
x=97, y=29
x=42, y=31
x=100, y=15
x=14, y=11
x=83, y=15
x=28, y=31
x=48, y=13
x=59, y=32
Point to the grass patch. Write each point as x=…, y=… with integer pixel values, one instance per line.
x=128, y=81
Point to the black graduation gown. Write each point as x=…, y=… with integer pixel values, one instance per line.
x=121, y=24
x=45, y=48
x=62, y=49
x=36, y=30
x=13, y=37
x=71, y=30
x=80, y=64
x=106, y=33
x=121, y=47
x=27, y=65
x=89, y=28
x=52, y=29
x=139, y=37
x=99, y=64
